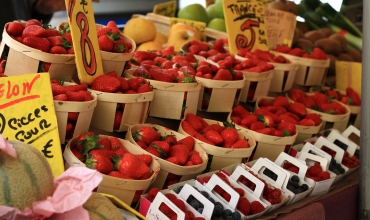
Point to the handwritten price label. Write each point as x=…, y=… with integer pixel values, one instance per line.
x=27, y=114
x=200, y=26
x=280, y=27
x=85, y=40
x=245, y=23
x=166, y=9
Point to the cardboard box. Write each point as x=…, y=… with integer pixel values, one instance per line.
x=85, y=109
x=135, y=111
x=222, y=157
x=283, y=157
x=186, y=172
x=353, y=134
x=23, y=59
x=123, y=189
x=310, y=72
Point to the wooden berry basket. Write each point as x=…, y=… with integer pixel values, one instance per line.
x=310, y=72
x=224, y=94
x=85, y=109
x=304, y=132
x=222, y=157
x=267, y=146
x=123, y=189
x=135, y=111
x=263, y=84
x=355, y=110
x=23, y=59
x=186, y=172
x=168, y=101
x=281, y=83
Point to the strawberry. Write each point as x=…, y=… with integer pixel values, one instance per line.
x=78, y=155
x=33, y=22
x=314, y=117
x=328, y=108
x=146, y=158
x=267, y=120
x=57, y=89
x=15, y=28
x=320, y=98
x=57, y=50
x=282, y=48
x=135, y=83
x=203, y=139
x=103, y=31
x=294, y=94
x=306, y=122
x=86, y=142
x=75, y=96
x=298, y=109
x=140, y=56
x=240, y=111
x=353, y=95
x=161, y=75
x=33, y=31
x=194, y=121
x=154, y=151
x=117, y=174
x=281, y=101
x=113, y=26
x=230, y=135
x=61, y=97
x=346, y=100
x=213, y=127
x=87, y=95
x=286, y=117
x=196, y=159
x=99, y=163
x=265, y=131
x=188, y=128
x=50, y=32
x=317, y=53
x=37, y=43
x=241, y=143
x=282, y=126
x=76, y=88
x=69, y=127
x=102, y=152
x=162, y=147
x=105, y=142
x=117, y=120
x=243, y=206
x=214, y=136
x=307, y=101
x=264, y=102
x=73, y=116
x=132, y=166
x=187, y=141
x=145, y=88
x=277, y=133
x=105, y=83
x=105, y=43
x=173, y=160
x=146, y=134
x=257, y=125
x=223, y=74
x=248, y=120
x=333, y=94
x=256, y=207
x=181, y=152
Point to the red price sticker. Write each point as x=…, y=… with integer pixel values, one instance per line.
x=245, y=24
x=85, y=40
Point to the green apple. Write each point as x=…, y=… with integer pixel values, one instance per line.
x=195, y=12
x=211, y=12
x=217, y=24
x=219, y=9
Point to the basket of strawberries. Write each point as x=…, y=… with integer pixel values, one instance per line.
x=172, y=75
x=312, y=68
x=180, y=156
x=349, y=97
x=121, y=102
x=272, y=135
x=284, y=70
x=32, y=47
x=307, y=124
x=127, y=171
x=74, y=107
x=223, y=143
x=334, y=114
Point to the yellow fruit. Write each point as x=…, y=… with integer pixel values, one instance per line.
x=149, y=45
x=181, y=37
x=160, y=38
x=140, y=29
x=180, y=26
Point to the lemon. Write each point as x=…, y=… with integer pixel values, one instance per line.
x=140, y=30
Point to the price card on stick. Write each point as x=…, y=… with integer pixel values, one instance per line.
x=27, y=114
x=280, y=27
x=200, y=26
x=85, y=40
x=245, y=25
x=166, y=9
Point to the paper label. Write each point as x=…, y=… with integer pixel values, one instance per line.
x=85, y=40
x=166, y=9
x=348, y=74
x=27, y=114
x=245, y=24
x=280, y=27
x=200, y=26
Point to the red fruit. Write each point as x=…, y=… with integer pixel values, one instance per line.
x=214, y=137
x=230, y=136
x=141, y=144
x=317, y=53
x=294, y=94
x=223, y=74
x=78, y=155
x=170, y=139
x=75, y=96
x=152, y=193
x=196, y=159
x=203, y=139
x=132, y=166
x=34, y=31
x=241, y=143
x=106, y=83
x=180, y=152
x=102, y=152
x=146, y=134
x=188, y=142
x=15, y=28
x=249, y=120
x=57, y=50
x=265, y=131
x=33, y=22
x=353, y=95
x=99, y=163
x=37, y=43
x=118, y=175
x=140, y=56
x=324, y=175
x=119, y=151
x=213, y=127
x=286, y=126
x=240, y=111
x=298, y=109
x=257, y=125
x=115, y=143
x=286, y=117
x=162, y=147
x=135, y=83
x=145, y=88
x=188, y=128
x=194, y=121
x=146, y=158
x=57, y=89
x=173, y=160
x=244, y=206
x=105, y=43
x=293, y=169
x=61, y=97
x=282, y=48
x=256, y=207
x=306, y=122
x=281, y=101
x=277, y=133
x=76, y=88
x=267, y=120
x=105, y=142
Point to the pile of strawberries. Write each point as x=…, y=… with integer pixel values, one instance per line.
x=111, y=83
x=261, y=55
x=316, y=173
x=165, y=209
x=73, y=93
x=244, y=206
x=214, y=134
x=317, y=101
x=206, y=50
x=316, y=53
x=350, y=97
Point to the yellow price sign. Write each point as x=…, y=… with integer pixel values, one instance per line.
x=280, y=27
x=85, y=39
x=266, y=2
x=200, y=26
x=166, y=9
x=27, y=114
x=348, y=74
x=245, y=24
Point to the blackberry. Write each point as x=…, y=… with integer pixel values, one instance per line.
x=336, y=171
x=341, y=170
x=341, y=144
x=204, y=193
x=295, y=179
x=326, y=133
x=295, y=185
x=226, y=213
x=218, y=210
x=291, y=188
x=304, y=187
x=212, y=200
x=236, y=215
x=195, y=204
x=200, y=210
x=298, y=190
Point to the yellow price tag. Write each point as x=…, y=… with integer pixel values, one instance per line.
x=166, y=9
x=200, y=26
x=266, y=2
x=280, y=27
x=245, y=24
x=27, y=114
x=85, y=39
x=348, y=74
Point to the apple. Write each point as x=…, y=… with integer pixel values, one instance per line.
x=195, y=12
x=219, y=8
x=181, y=37
x=211, y=12
x=135, y=27
x=180, y=26
x=217, y=24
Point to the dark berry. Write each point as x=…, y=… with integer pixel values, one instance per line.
x=204, y=193
x=194, y=203
x=226, y=213
x=212, y=200
x=341, y=170
x=236, y=215
x=304, y=187
x=291, y=188
x=326, y=133
x=295, y=179
x=295, y=185
x=218, y=210
x=341, y=144
x=298, y=190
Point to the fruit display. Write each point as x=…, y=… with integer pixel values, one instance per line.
x=349, y=97
x=205, y=49
x=99, y=206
